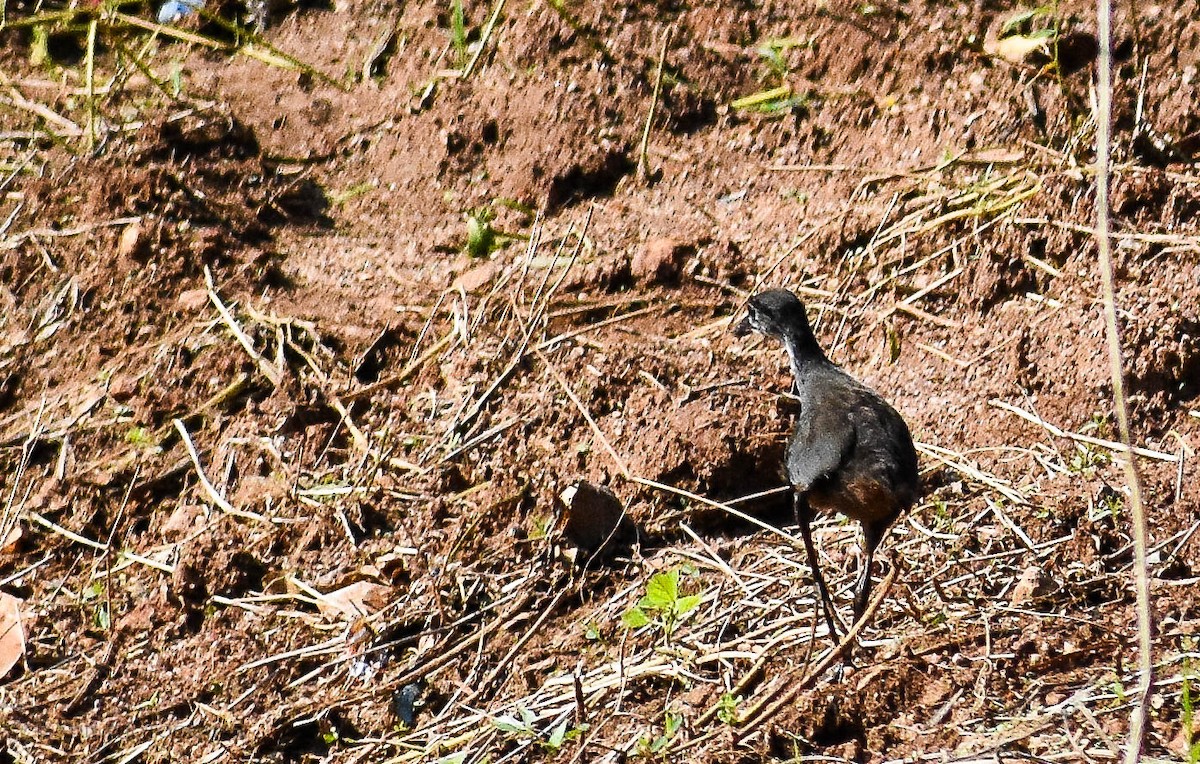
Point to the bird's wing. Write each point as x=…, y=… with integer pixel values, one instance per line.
x=823, y=441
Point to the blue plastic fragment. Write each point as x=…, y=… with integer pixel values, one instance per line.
x=174, y=10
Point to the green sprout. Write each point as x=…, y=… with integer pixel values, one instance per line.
x=662, y=604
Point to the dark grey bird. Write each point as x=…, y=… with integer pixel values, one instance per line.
x=851, y=451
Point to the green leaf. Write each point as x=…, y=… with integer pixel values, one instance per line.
x=1015, y=21
x=558, y=736
x=663, y=588
x=508, y=725
x=635, y=618
x=687, y=604
x=674, y=721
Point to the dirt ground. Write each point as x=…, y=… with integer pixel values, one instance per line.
x=298, y=354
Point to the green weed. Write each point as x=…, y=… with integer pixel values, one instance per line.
x=458, y=33
x=662, y=604
x=98, y=595
x=525, y=728
x=656, y=746
x=780, y=98
x=1188, y=714
x=727, y=708
x=481, y=236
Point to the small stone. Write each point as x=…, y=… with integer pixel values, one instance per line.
x=477, y=277
x=132, y=244
x=661, y=260
x=122, y=387
x=594, y=515
x=1025, y=588
x=192, y=299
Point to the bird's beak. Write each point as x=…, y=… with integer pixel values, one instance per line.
x=743, y=327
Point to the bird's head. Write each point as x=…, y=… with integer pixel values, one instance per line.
x=776, y=313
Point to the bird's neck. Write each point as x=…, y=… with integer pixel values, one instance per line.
x=805, y=354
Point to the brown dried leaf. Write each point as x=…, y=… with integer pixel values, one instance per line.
x=354, y=601
x=9, y=545
x=12, y=633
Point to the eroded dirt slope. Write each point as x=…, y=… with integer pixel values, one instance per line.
x=279, y=456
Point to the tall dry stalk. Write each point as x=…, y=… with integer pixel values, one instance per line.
x=1137, y=721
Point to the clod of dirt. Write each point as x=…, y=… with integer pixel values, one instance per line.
x=1168, y=359
x=181, y=522
x=661, y=260
x=1022, y=593
x=192, y=299
x=478, y=277
x=594, y=516
x=1140, y=191
x=206, y=133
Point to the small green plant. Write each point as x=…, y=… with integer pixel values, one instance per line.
x=138, y=436
x=562, y=733
x=662, y=604
x=525, y=728
x=778, y=97
x=936, y=619
x=727, y=708
x=540, y=529
x=1111, y=504
x=1032, y=22
x=1119, y=690
x=97, y=595
x=481, y=236
x=648, y=746
x=774, y=52
x=514, y=727
x=774, y=101
x=1030, y=35
x=942, y=520
x=1087, y=458
x=1188, y=714
x=458, y=33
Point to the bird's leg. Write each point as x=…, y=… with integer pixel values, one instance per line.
x=872, y=535
x=804, y=520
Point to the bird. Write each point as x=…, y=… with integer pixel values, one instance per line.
x=851, y=451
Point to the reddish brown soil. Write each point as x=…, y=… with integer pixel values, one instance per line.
x=411, y=414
